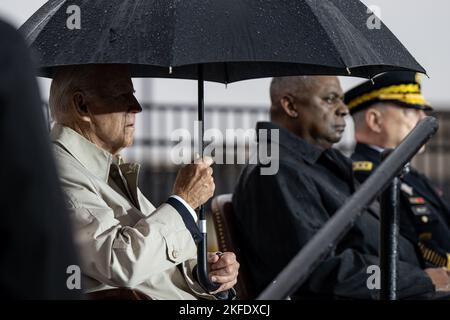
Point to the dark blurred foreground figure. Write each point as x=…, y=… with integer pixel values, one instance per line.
x=384, y=113
x=37, y=247
x=278, y=214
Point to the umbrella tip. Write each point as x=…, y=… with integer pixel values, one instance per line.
x=170, y=70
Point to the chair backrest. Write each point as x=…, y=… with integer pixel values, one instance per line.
x=228, y=240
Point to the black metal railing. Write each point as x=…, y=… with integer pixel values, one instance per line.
x=389, y=236
x=315, y=251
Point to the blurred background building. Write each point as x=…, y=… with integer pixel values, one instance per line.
x=422, y=27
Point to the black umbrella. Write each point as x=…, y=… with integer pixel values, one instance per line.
x=216, y=40
x=235, y=39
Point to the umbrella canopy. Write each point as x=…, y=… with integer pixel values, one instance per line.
x=234, y=39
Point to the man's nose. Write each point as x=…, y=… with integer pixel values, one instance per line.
x=135, y=106
x=342, y=109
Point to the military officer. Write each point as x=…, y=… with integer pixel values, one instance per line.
x=384, y=113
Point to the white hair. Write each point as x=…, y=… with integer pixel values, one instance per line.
x=359, y=117
x=65, y=83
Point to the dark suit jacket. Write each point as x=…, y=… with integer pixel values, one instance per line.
x=37, y=246
x=277, y=215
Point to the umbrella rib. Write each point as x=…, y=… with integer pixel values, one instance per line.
x=46, y=17
x=319, y=22
x=338, y=49
x=175, y=22
x=225, y=71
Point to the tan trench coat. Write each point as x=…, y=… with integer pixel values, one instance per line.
x=122, y=239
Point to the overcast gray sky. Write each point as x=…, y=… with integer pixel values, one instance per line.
x=422, y=26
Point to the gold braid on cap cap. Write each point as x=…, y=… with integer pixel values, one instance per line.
x=407, y=93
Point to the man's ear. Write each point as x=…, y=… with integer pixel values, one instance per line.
x=287, y=103
x=81, y=109
x=374, y=120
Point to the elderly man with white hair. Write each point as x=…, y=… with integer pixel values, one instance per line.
x=123, y=240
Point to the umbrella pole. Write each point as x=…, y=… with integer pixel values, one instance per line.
x=202, y=250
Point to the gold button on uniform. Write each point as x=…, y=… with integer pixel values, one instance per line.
x=424, y=219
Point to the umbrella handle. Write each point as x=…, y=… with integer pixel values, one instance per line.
x=202, y=260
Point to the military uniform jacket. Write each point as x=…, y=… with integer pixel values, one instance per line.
x=278, y=214
x=122, y=239
x=425, y=214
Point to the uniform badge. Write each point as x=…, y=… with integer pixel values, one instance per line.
x=406, y=189
x=362, y=166
x=421, y=211
x=416, y=200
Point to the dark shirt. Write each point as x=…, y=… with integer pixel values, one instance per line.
x=425, y=213
x=277, y=215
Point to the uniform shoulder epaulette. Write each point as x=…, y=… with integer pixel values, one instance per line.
x=362, y=166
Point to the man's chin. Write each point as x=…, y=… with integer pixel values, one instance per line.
x=336, y=138
x=128, y=141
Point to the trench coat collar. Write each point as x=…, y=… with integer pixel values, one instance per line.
x=93, y=158
x=293, y=144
